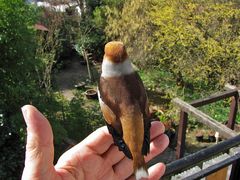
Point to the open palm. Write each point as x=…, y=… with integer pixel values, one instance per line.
x=95, y=158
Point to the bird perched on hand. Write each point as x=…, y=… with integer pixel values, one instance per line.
x=124, y=104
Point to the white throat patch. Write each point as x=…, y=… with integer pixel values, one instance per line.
x=110, y=69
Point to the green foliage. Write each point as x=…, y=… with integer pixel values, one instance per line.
x=17, y=60
x=161, y=89
x=220, y=111
x=105, y=10
x=11, y=150
x=197, y=41
x=82, y=117
x=131, y=26
x=17, y=77
x=69, y=28
x=92, y=27
x=21, y=84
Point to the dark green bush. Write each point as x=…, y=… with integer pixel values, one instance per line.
x=18, y=83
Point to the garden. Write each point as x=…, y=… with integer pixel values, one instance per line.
x=48, y=58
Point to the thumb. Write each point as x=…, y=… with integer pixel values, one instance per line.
x=39, y=149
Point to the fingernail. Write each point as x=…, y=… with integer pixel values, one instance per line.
x=25, y=112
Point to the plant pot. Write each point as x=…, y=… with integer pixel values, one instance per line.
x=91, y=94
x=199, y=137
x=211, y=138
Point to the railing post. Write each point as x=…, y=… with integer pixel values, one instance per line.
x=181, y=134
x=235, y=173
x=233, y=112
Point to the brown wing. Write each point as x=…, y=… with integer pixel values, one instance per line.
x=114, y=125
x=109, y=116
x=143, y=101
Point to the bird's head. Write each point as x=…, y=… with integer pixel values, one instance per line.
x=115, y=52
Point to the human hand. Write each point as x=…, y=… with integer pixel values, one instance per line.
x=95, y=158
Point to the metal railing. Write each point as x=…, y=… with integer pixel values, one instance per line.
x=204, y=154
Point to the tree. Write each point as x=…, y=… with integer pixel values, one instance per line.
x=48, y=45
x=197, y=41
x=130, y=24
x=17, y=65
x=18, y=80
x=20, y=84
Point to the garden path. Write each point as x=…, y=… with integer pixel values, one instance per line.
x=72, y=74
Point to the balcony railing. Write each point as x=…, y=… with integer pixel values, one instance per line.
x=227, y=132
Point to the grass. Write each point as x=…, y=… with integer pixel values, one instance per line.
x=163, y=83
x=220, y=111
x=156, y=80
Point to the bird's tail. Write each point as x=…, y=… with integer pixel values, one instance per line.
x=133, y=135
x=139, y=167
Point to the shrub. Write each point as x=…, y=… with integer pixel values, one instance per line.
x=197, y=41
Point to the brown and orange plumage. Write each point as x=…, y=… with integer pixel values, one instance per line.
x=124, y=105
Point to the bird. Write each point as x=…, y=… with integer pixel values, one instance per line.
x=124, y=105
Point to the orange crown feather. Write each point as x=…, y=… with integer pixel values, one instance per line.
x=115, y=51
